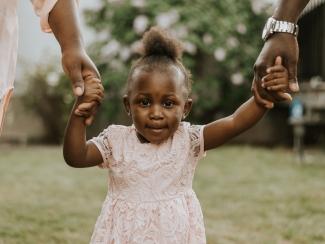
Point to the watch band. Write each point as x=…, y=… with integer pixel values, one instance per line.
x=274, y=26
x=285, y=26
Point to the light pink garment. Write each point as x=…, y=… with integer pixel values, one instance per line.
x=9, y=44
x=150, y=197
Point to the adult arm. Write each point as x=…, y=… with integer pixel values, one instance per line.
x=64, y=22
x=279, y=44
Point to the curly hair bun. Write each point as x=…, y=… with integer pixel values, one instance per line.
x=158, y=42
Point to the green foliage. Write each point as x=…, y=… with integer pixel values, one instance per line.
x=222, y=41
x=49, y=95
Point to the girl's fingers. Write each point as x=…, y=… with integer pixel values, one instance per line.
x=273, y=76
x=86, y=106
x=274, y=82
x=92, y=91
x=77, y=112
x=82, y=113
x=95, y=92
x=276, y=68
x=277, y=87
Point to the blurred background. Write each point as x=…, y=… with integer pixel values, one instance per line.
x=222, y=40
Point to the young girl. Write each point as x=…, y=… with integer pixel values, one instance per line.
x=152, y=162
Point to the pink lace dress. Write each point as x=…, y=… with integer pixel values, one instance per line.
x=150, y=197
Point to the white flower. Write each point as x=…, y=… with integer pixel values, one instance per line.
x=181, y=32
x=259, y=6
x=103, y=35
x=241, y=28
x=111, y=49
x=114, y=1
x=138, y=3
x=136, y=47
x=220, y=54
x=165, y=20
x=207, y=38
x=140, y=24
x=232, y=42
x=237, y=79
x=53, y=79
x=189, y=47
x=125, y=53
x=116, y=64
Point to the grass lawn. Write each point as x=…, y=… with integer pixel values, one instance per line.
x=248, y=195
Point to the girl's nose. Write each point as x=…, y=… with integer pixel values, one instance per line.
x=156, y=112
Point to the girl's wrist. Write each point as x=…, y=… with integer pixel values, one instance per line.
x=261, y=106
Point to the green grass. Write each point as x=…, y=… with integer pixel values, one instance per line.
x=248, y=195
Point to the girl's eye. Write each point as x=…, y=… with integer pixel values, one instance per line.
x=168, y=104
x=144, y=102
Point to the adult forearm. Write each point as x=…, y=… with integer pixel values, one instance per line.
x=64, y=23
x=289, y=10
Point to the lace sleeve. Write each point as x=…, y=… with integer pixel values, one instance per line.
x=104, y=142
x=197, y=141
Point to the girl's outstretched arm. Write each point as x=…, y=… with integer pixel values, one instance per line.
x=248, y=114
x=76, y=151
x=222, y=130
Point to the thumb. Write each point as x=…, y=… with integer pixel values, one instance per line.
x=89, y=120
x=77, y=81
x=285, y=96
x=278, y=60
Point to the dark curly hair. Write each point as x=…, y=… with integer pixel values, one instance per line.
x=160, y=51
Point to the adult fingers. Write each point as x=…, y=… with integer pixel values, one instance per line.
x=293, y=81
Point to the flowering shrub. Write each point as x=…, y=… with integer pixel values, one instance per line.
x=48, y=94
x=221, y=41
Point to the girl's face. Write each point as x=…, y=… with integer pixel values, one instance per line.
x=157, y=102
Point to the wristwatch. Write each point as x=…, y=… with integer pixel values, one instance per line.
x=272, y=25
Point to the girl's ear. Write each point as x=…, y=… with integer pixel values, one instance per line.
x=126, y=103
x=187, y=107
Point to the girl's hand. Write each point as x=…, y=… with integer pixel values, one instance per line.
x=277, y=79
x=88, y=111
x=91, y=99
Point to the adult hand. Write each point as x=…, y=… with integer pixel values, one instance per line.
x=79, y=67
x=279, y=44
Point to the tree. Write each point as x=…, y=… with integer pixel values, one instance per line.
x=221, y=41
